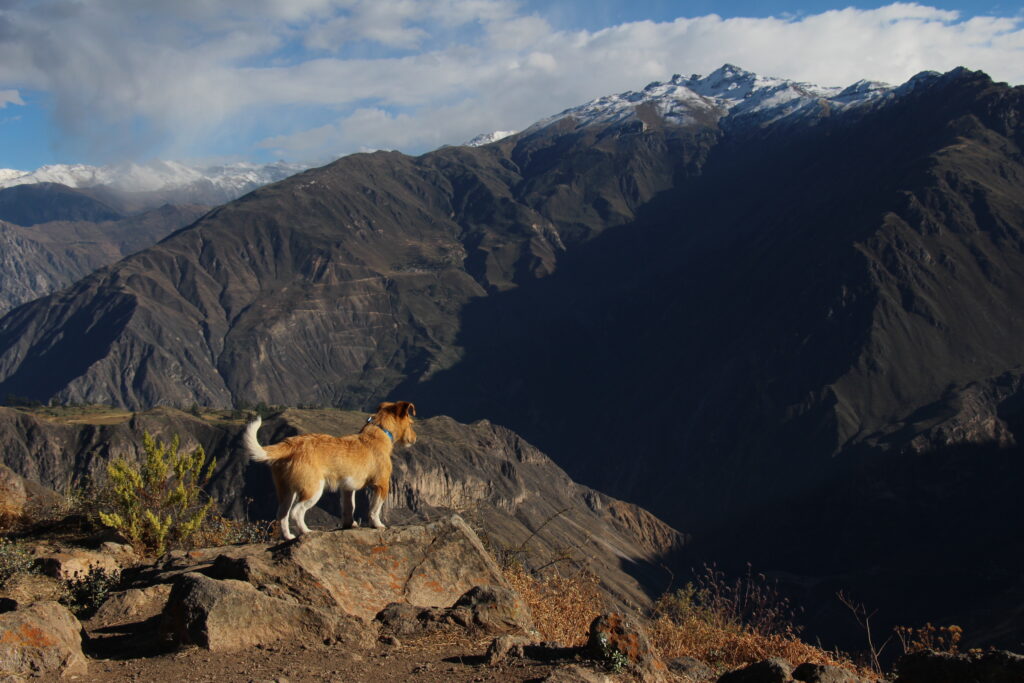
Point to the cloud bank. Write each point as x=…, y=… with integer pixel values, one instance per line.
x=315, y=79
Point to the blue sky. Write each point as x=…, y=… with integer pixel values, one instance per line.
x=106, y=81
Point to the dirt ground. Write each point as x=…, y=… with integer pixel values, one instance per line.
x=431, y=660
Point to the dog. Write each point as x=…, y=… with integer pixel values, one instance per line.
x=303, y=466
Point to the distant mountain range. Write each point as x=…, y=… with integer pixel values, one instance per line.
x=158, y=182
x=784, y=318
x=61, y=222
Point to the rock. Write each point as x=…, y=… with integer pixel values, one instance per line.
x=997, y=666
x=692, y=669
x=769, y=671
x=43, y=639
x=504, y=646
x=76, y=563
x=481, y=609
x=494, y=609
x=363, y=570
x=403, y=619
x=618, y=641
x=12, y=494
x=26, y=588
x=224, y=615
x=132, y=605
x=824, y=673
x=573, y=673
x=21, y=497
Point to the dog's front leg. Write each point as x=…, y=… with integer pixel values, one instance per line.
x=348, y=506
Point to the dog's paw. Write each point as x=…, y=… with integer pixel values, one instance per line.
x=379, y=526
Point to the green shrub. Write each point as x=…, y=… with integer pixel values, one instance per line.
x=14, y=559
x=83, y=595
x=157, y=505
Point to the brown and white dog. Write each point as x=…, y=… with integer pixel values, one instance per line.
x=304, y=465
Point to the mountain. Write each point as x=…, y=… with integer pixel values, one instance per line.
x=84, y=217
x=39, y=258
x=44, y=202
x=782, y=317
x=141, y=186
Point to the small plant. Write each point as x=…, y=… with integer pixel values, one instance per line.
x=928, y=637
x=14, y=559
x=157, y=504
x=218, y=530
x=613, y=658
x=83, y=595
x=863, y=617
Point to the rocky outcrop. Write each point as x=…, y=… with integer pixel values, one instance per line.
x=43, y=639
x=360, y=571
x=323, y=587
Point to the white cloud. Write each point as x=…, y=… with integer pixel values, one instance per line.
x=334, y=76
x=10, y=97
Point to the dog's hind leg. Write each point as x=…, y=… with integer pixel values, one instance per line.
x=348, y=510
x=284, y=509
x=377, y=495
x=301, y=507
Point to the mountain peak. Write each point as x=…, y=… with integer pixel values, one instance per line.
x=727, y=92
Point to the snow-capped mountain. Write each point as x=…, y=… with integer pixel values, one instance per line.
x=727, y=93
x=488, y=138
x=199, y=184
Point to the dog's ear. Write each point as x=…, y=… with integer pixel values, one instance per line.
x=381, y=406
x=405, y=408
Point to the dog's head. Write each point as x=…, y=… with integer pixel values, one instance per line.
x=397, y=418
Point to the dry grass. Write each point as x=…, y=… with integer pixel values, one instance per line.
x=727, y=647
x=562, y=606
x=732, y=623
x=929, y=637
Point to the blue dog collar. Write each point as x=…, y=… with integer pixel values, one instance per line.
x=390, y=435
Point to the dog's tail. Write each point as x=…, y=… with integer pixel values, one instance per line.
x=251, y=445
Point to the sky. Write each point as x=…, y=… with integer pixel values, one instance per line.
x=209, y=81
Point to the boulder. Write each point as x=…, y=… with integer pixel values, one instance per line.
x=43, y=639
x=495, y=609
x=505, y=646
x=996, y=666
x=20, y=497
x=481, y=609
x=825, y=673
x=132, y=605
x=620, y=642
x=76, y=563
x=363, y=570
x=224, y=615
x=13, y=496
x=769, y=671
x=691, y=669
